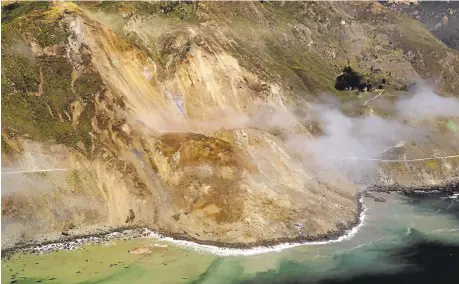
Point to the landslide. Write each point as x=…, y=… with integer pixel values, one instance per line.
x=151, y=106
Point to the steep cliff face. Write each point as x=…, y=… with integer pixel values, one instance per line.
x=185, y=117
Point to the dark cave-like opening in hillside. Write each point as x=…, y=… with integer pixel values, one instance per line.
x=351, y=80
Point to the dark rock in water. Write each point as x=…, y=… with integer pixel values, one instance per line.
x=64, y=233
x=78, y=272
x=380, y=199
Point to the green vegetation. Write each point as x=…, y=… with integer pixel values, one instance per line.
x=30, y=18
x=428, y=53
x=180, y=10
x=57, y=74
x=433, y=165
x=87, y=84
x=6, y=149
x=18, y=9
x=36, y=90
x=47, y=33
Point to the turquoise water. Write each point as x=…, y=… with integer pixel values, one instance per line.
x=400, y=224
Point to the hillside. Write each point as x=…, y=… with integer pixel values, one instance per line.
x=207, y=121
x=439, y=17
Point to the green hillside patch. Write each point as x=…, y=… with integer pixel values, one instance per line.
x=37, y=91
x=180, y=10
x=57, y=74
x=18, y=9
x=433, y=165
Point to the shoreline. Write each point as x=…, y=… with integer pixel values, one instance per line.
x=223, y=248
x=254, y=248
x=264, y=246
x=213, y=247
x=448, y=186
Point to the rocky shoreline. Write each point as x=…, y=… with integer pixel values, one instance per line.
x=74, y=242
x=449, y=186
x=71, y=242
x=125, y=233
